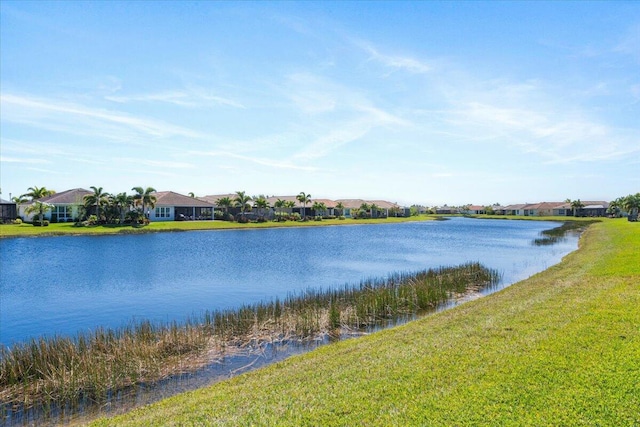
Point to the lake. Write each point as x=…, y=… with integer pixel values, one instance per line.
x=65, y=285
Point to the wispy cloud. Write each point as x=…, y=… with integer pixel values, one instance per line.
x=182, y=98
x=276, y=164
x=79, y=119
x=164, y=164
x=397, y=62
x=6, y=159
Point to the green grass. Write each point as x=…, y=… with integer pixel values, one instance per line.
x=60, y=229
x=560, y=348
x=66, y=371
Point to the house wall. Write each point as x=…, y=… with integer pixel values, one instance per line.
x=162, y=213
x=71, y=213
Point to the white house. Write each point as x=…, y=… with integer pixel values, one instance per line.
x=67, y=206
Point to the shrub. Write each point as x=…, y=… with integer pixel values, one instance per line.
x=318, y=218
x=17, y=221
x=243, y=219
x=38, y=223
x=342, y=217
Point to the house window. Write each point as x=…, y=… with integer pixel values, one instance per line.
x=61, y=213
x=163, y=212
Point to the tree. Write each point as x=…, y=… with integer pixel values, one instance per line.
x=304, y=199
x=260, y=203
x=97, y=199
x=144, y=197
x=242, y=201
x=631, y=204
x=225, y=203
x=319, y=208
x=615, y=207
x=340, y=208
x=279, y=204
x=39, y=208
x=123, y=202
x=364, y=210
x=375, y=209
x=576, y=205
x=36, y=193
x=19, y=199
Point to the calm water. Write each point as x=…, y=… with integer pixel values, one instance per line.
x=63, y=285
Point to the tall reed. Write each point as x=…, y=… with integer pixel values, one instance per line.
x=91, y=366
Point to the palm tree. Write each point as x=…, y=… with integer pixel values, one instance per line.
x=290, y=204
x=19, y=199
x=144, y=197
x=364, y=209
x=242, y=201
x=576, y=205
x=279, y=204
x=97, y=199
x=36, y=193
x=260, y=203
x=123, y=202
x=224, y=203
x=340, y=207
x=40, y=208
x=631, y=204
x=375, y=209
x=304, y=199
x=319, y=208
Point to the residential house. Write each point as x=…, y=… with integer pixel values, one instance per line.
x=475, y=210
x=590, y=208
x=171, y=206
x=8, y=211
x=68, y=206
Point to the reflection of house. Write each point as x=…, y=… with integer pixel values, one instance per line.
x=8, y=211
x=172, y=206
x=67, y=206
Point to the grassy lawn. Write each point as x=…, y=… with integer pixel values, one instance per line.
x=59, y=229
x=561, y=348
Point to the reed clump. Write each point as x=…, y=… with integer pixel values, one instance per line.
x=556, y=234
x=92, y=366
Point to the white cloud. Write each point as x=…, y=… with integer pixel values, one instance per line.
x=163, y=164
x=399, y=62
x=192, y=98
x=257, y=160
x=6, y=159
x=78, y=119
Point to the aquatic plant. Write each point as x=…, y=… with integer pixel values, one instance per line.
x=58, y=370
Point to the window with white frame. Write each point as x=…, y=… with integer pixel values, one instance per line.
x=61, y=213
x=163, y=212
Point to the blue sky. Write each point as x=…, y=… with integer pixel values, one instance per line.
x=416, y=102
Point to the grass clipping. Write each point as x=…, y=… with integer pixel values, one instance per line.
x=92, y=366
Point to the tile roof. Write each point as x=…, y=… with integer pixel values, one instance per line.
x=69, y=197
x=170, y=198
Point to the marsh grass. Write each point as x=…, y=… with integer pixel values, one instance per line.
x=556, y=234
x=559, y=348
x=64, y=371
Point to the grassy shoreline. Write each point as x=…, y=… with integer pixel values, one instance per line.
x=68, y=229
x=560, y=348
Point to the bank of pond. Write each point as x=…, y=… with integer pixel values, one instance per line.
x=47, y=375
x=254, y=299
